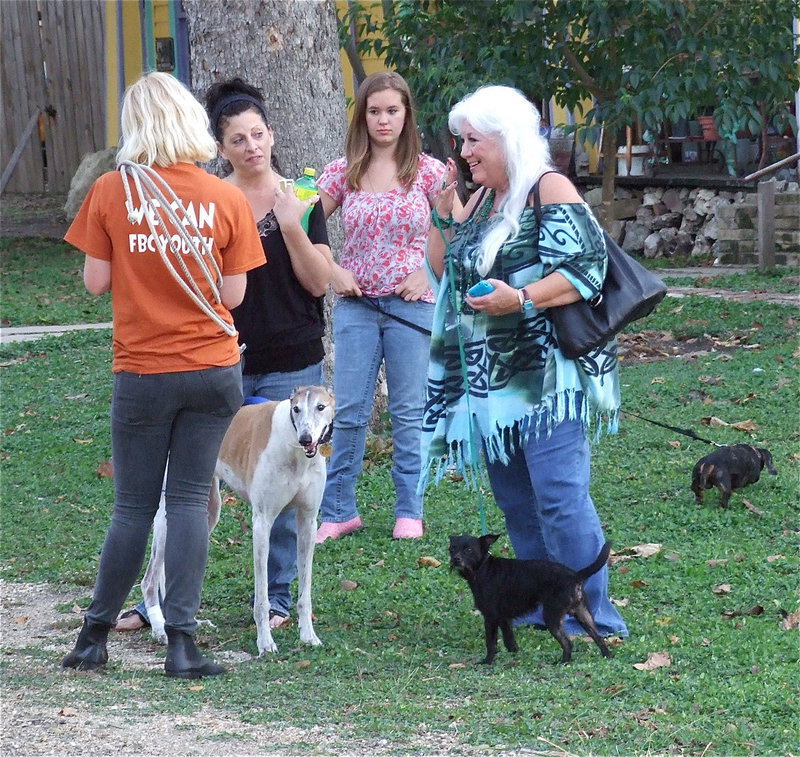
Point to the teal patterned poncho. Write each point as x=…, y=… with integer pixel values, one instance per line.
x=519, y=382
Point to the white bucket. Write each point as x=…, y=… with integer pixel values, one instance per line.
x=638, y=154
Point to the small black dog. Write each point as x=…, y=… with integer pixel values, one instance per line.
x=730, y=468
x=505, y=589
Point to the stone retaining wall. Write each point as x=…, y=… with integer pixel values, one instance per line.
x=723, y=225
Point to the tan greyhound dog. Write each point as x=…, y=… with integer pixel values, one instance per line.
x=269, y=458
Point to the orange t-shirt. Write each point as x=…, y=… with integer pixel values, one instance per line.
x=158, y=328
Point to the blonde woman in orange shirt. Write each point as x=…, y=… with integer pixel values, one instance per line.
x=177, y=375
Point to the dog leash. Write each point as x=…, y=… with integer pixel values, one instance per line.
x=473, y=449
x=685, y=431
x=371, y=302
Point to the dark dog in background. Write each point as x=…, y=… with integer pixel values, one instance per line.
x=505, y=589
x=730, y=468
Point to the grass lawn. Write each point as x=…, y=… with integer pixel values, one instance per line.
x=400, y=637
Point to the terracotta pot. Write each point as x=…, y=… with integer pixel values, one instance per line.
x=710, y=133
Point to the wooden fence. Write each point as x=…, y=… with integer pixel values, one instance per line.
x=53, y=91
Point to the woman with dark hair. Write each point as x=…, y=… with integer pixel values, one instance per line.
x=384, y=187
x=281, y=320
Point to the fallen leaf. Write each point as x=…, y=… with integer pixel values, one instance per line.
x=379, y=564
x=658, y=380
x=674, y=639
x=791, y=620
x=748, y=426
x=196, y=687
x=620, y=602
x=428, y=561
x=752, y=508
x=84, y=441
x=677, y=445
x=76, y=609
x=654, y=660
x=755, y=610
x=722, y=589
x=68, y=712
x=456, y=665
x=715, y=563
x=21, y=620
x=640, y=550
x=303, y=664
x=639, y=584
x=348, y=585
x=105, y=469
x=712, y=420
x=772, y=558
x=76, y=396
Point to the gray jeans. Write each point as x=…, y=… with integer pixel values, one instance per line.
x=154, y=417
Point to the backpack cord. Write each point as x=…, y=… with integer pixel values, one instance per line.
x=159, y=204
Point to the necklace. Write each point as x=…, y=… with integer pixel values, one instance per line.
x=486, y=208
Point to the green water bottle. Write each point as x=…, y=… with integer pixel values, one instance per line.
x=305, y=188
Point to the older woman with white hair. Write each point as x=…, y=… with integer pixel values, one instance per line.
x=524, y=403
x=173, y=245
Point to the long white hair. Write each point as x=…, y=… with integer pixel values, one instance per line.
x=506, y=115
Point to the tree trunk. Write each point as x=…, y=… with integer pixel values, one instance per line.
x=609, y=153
x=290, y=50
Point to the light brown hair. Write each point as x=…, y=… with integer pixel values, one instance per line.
x=358, y=150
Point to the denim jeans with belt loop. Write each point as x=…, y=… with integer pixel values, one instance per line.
x=363, y=338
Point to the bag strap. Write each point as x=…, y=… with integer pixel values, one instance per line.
x=537, y=201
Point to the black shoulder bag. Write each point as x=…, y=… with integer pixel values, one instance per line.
x=629, y=292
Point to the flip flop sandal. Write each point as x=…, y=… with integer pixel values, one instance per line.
x=129, y=614
x=278, y=619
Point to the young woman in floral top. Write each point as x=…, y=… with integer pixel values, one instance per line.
x=385, y=188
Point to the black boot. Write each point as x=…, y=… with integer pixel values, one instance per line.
x=90, y=648
x=184, y=659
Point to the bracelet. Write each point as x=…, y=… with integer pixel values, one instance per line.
x=442, y=223
x=521, y=300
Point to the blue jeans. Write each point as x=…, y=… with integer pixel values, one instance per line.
x=363, y=338
x=183, y=416
x=544, y=495
x=282, y=564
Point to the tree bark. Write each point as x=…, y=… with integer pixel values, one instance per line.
x=290, y=50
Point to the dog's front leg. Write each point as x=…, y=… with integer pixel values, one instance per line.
x=262, y=526
x=306, y=534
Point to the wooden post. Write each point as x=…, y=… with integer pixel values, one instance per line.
x=766, y=225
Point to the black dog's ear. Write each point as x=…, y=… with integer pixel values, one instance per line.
x=487, y=541
x=766, y=460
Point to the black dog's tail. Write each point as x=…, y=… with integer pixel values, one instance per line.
x=601, y=560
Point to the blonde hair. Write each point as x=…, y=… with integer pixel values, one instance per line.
x=358, y=150
x=507, y=116
x=163, y=124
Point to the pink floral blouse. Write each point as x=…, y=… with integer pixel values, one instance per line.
x=385, y=234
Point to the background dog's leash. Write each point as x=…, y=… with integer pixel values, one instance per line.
x=685, y=431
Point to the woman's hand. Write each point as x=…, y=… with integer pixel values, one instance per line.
x=443, y=204
x=413, y=286
x=502, y=301
x=344, y=283
x=289, y=209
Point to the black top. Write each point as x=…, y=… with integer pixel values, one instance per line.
x=279, y=320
